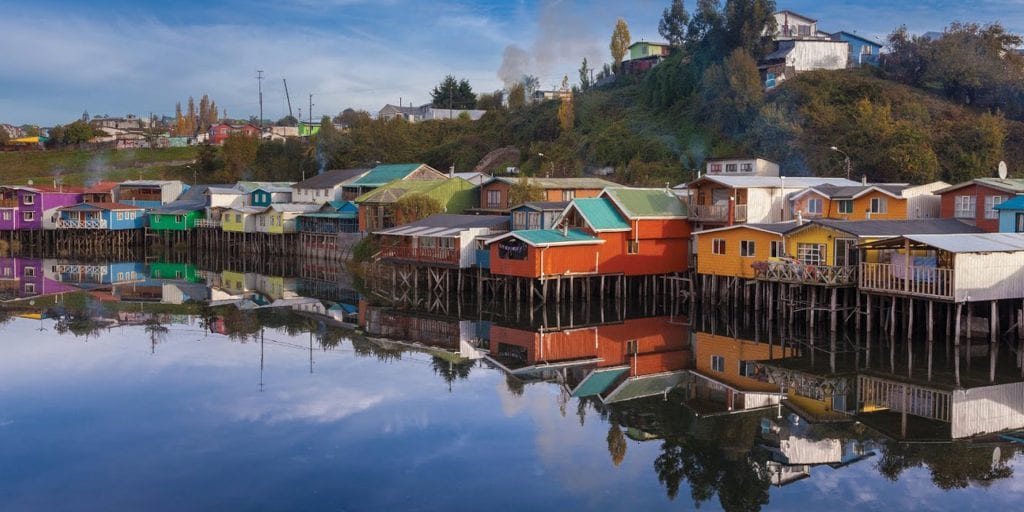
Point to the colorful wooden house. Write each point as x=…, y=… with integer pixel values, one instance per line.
x=630, y=232
x=105, y=216
x=888, y=201
x=732, y=251
x=220, y=132
x=148, y=193
x=241, y=219
x=332, y=218
x=32, y=207
x=975, y=201
x=495, y=192
x=22, y=278
x=537, y=215
x=326, y=186
x=279, y=219
x=726, y=374
x=387, y=173
x=262, y=195
x=377, y=208
x=1011, y=215
x=182, y=214
x=443, y=239
x=100, y=192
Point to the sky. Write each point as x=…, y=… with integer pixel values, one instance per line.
x=114, y=57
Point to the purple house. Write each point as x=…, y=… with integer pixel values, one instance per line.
x=21, y=278
x=33, y=207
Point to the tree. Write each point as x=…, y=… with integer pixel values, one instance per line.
x=4, y=136
x=620, y=43
x=239, y=156
x=452, y=93
x=616, y=443
x=416, y=206
x=516, y=96
x=288, y=120
x=530, y=85
x=731, y=93
x=525, y=191
x=492, y=101
x=585, y=72
x=566, y=113
x=191, y=119
x=748, y=25
x=85, y=116
x=673, y=24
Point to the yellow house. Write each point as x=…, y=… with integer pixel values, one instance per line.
x=240, y=220
x=834, y=242
x=282, y=218
x=862, y=202
x=727, y=375
x=730, y=251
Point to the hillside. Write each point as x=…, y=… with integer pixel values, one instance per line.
x=76, y=167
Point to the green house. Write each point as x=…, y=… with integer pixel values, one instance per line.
x=176, y=220
x=175, y=271
x=377, y=208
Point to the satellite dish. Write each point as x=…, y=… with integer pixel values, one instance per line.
x=1002, y=170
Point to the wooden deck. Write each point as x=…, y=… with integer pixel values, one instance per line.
x=924, y=282
x=799, y=273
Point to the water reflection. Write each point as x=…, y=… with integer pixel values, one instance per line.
x=712, y=407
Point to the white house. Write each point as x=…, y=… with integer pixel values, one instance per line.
x=324, y=187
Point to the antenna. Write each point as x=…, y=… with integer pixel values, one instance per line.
x=1002, y=170
x=259, y=87
x=287, y=96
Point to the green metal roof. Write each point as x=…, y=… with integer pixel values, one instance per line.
x=598, y=381
x=331, y=215
x=647, y=202
x=600, y=214
x=647, y=385
x=383, y=174
x=539, y=237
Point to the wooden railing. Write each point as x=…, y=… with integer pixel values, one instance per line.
x=427, y=254
x=874, y=392
x=717, y=212
x=207, y=223
x=795, y=272
x=918, y=281
x=82, y=224
x=8, y=203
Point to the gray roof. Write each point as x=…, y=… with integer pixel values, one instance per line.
x=444, y=224
x=775, y=227
x=776, y=182
x=180, y=207
x=1015, y=185
x=149, y=183
x=331, y=178
x=294, y=207
x=973, y=242
x=556, y=183
x=840, y=192
x=545, y=205
x=647, y=385
x=194, y=193
x=879, y=228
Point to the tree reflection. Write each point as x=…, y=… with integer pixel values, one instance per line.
x=451, y=369
x=952, y=466
x=616, y=442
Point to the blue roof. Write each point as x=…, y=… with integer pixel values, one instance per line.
x=1015, y=203
x=384, y=174
x=598, y=381
x=538, y=237
x=601, y=214
x=851, y=35
x=342, y=206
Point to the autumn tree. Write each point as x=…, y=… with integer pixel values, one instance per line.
x=525, y=191
x=620, y=43
x=616, y=443
x=748, y=25
x=191, y=118
x=566, y=113
x=416, y=206
x=516, y=96
x=673, y=23
x=4, y=136
x=492, y=101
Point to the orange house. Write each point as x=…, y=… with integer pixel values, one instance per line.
x=495, y=192
x=730, y=251
x=727, y=376
x=625, y=231
x=862, y=202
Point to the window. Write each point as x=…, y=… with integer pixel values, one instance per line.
x=632, y=347
x=238, y=218
x=634, y=247
x=718, y=246
x=965, y=207
x=7, y=215
x=746, y=248
x=712, y=168
x=865, y=50
x=805, y=30
x=494, y=199
x=519, y=220
x=811, y=254
x=814, y=206
x=990, y=206
x=30, y=288
x=776, y=249
x=747, y=167
x=1019, y=224
x=7, y=271
x=568, y=195
x=845, y=206
x=30, y=271
x=28, y=216
x=178, y=274
x=119, y=216
x=29, y=198
x=534, y=222
x=179, y=219
x=730, y=167
x=846, y=252
x=718, y=363
x=746, y=368
x=879, y=205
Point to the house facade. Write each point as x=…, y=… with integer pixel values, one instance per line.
x=723, y=200
x=975, y=201
x=149, y=193
x=794, y=56
x=538, y=215
x=378, y=208
x=1011, y=215
x=495, y=194
x=863, y=51
x=33, y=208
x=105, y=216
x=324, y=187
x=881, y=201
x=440, y=240
x=220, y=132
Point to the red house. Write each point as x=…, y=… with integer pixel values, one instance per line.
x=627, y=231
x=495, y=194
x=220, y=132
x=974, y=201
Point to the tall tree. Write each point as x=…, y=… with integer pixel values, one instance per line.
x=673, y=24
x=516, y=96
x=452, y=93
x=620, y=43
x=566, y=113
x=747, y=25
x=731, y=93
x=179, y=120
x=191, y=121
x=585, y=75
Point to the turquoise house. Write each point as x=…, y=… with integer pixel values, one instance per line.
x=1011, y=215
x=108, y=216
x=269, y=194
x=863, y=51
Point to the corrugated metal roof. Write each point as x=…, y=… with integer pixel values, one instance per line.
x=647, y=202
x=385, y=173
x=294, y=207
x=868, y=228
x=973, y=242
x=776, y=227
x=775, y=182
x=648, y=385
x=1015, y=203
x=1015, y=185
x=598, y=381
x=556, y=183
x=547, y=237
x=840, y=192
x=600, y=214
x=331, y=215
x=331, y=178
x=544, y=205
x=179, y=207
x=448, y=221
x=101, y=206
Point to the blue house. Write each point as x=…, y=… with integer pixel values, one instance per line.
x=333, y=217
x=1011, y=215
x=108, y=216
x=862, y=50
x=537, y=215
x=268, y=194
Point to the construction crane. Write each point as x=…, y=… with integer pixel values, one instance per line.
x=287, y=97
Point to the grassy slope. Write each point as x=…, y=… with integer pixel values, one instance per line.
x=79, y=166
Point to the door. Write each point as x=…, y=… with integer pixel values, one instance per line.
x=846, y=252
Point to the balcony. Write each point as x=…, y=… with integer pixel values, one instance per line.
x=929, y=282
x=207, y=223
x=82, y=224
x=8, y=203
x=440, y=255
x=795, y=272
x=717, y=213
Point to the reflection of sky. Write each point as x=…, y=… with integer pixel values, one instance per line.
x=106, y=425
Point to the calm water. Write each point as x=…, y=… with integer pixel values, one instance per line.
x=173, y=388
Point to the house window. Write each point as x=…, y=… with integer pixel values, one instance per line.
x=965, y=207
x=811, y=254
x=746, y=368
x=718, y=246
x=718, y=363
x=494, y=199
x=534, y=222
x=7, y=215
x=990, y=206
x=747, y=167
x=119, y=215
x=814, y=206
x=632, y=347
x=746, y=248
x=178, y=219
x=238, y=218
x=28, y=216
x=865, y=50
x=1019, y=224
x=634, y=247
x=730, y=167
x=776, y=249
x=879, y=205
x=7, y=271
x=30, y=288
x=845, y=206
x=568, y=195
x=519, y=220
x=30, y=271
x=715, y=168
x=29, y=198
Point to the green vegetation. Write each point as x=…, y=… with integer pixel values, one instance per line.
x=79, y=166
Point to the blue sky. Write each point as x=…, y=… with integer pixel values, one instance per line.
x=115, y=57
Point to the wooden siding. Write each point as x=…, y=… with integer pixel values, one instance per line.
x=988, y=276
x=734, y=351
x=948, y=208
x=896, y=208
x=730, y=263
x=987, y=409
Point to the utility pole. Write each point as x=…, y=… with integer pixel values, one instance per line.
x=287, y=96
x=259, y=87
x=310, y=114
